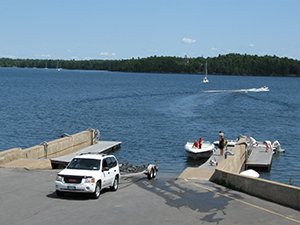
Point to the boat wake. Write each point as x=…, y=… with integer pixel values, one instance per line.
x=239, y=91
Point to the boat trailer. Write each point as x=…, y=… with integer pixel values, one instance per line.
x=149, y=170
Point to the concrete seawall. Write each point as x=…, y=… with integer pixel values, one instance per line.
x=56, y=148
x=227, y=174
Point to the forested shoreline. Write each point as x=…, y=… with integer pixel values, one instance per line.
x=230, y=64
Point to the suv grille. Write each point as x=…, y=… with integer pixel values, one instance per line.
x=72, y=179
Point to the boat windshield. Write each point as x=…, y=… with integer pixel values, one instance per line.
x=84, y=164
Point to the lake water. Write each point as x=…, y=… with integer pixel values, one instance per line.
x=154, y=115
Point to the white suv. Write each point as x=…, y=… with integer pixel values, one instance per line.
x=89, y=173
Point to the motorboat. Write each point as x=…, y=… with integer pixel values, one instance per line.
x=197, y=153
x=276, y=147
x=264, y=88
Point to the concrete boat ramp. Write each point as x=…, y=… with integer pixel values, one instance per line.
x=100, y=147
x=206, y=170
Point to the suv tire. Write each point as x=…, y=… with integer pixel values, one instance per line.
x=96, y=194
x=115, y=184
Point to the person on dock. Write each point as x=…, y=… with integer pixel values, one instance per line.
x=268, y=145
x=200, y=142
x=220, y=134
x=252, y=141
x=221, y=145
x=226, y=144
x=196, y=144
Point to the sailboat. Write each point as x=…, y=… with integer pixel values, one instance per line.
x=205, y=80
x=58, y=69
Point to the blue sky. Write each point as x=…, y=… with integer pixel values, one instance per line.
x=125, y=29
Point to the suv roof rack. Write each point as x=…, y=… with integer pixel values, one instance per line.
x=92, y=153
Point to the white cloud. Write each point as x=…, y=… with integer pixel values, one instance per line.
x=251, y=45
x=214, y=49
x=188, y=40
x=10, y=56
x=108, y=54
x=47, y=56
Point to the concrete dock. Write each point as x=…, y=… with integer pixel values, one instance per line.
x=60, y=162
x=259, y=158
x=100, y=147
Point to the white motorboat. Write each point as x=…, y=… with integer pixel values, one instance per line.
x=205, y=79
x=197, y=153
x=264, y=88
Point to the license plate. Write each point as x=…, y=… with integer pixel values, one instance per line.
x=71, y=188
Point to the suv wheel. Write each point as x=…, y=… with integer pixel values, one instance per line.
x=96, y=194
x=115, y=184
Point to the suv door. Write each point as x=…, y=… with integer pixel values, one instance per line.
x=106, y=173
x=111, y=171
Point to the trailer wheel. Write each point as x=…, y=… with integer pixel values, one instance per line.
x=154, y=172
x=151, y=174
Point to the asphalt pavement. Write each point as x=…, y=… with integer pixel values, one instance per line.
x=28, y=198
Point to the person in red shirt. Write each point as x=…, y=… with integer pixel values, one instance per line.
x=196, y=144
x=200, y=142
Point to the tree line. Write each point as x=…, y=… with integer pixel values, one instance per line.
x=230, y=64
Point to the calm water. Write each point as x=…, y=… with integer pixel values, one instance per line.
x=152, y=114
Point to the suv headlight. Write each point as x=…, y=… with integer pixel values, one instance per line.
x=89, y=180
x=59, y=178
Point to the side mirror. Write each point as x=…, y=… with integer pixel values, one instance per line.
x=105, y=168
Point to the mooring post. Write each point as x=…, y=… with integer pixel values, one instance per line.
x=45, y=149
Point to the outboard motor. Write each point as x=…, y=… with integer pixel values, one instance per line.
x=276, y=145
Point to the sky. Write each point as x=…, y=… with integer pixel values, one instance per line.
x=125, y=29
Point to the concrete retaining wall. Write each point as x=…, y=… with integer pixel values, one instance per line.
x=52, y=149
x=283, y=194
x=10, y=155
x=227, y=173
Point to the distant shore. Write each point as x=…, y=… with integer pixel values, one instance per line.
x=230, y=64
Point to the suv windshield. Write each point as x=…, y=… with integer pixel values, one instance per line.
x=84, y=164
